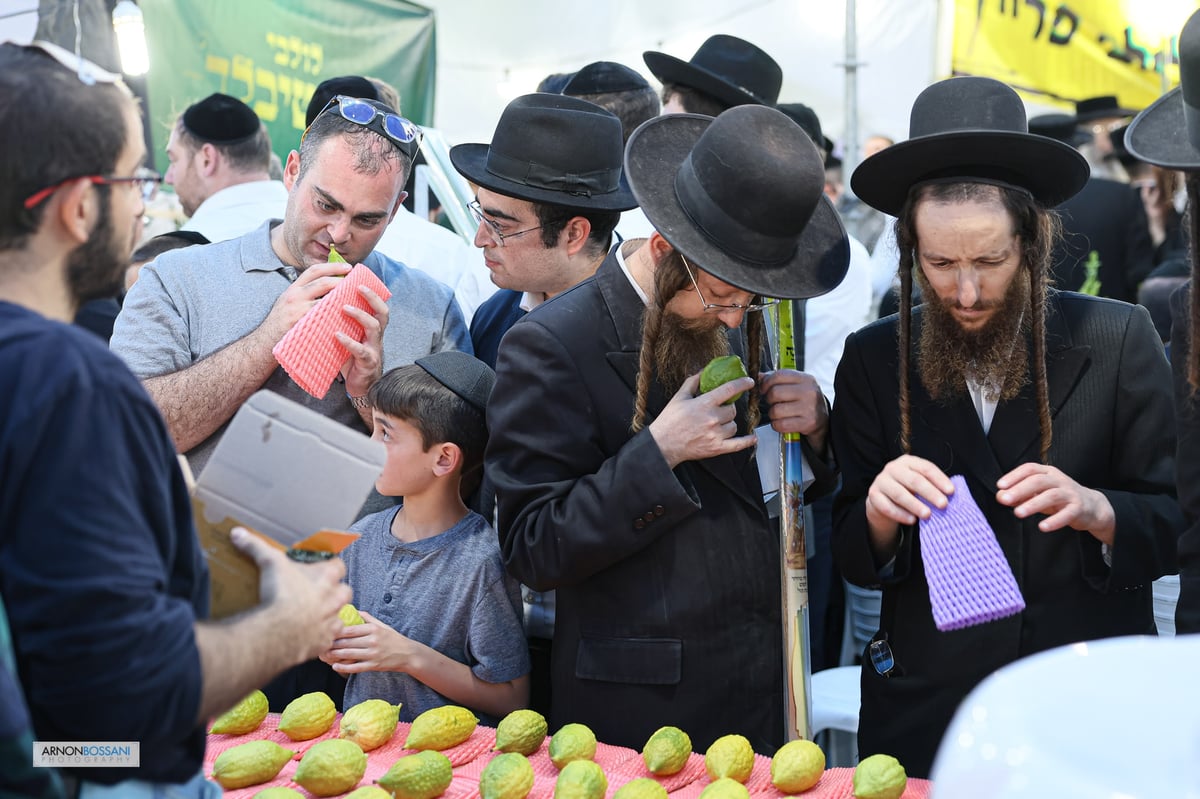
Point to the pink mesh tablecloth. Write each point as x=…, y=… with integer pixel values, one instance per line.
x=469, y=758
x=970, y=581
x=310, y=352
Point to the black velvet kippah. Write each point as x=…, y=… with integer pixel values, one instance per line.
x=221, y=118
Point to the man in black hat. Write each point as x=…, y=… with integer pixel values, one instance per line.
x=633, y=495
x=1105, y=248
x=1098, y=118
x=1053, y=407
x=1167, y=134
x=219, y=154
x=549, y=194
x=725, y=72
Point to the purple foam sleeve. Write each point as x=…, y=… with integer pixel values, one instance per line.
x=970, y=581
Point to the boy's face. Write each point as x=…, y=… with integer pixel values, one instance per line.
x=409, y=468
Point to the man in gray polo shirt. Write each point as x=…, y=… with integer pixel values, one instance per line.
x=199, y=325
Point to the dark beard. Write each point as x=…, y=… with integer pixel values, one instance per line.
x=95, y=270
x=994, y=356
x=684, y=347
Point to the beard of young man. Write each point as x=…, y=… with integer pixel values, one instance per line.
x=96, y=269
x=994, y=355
x=685, y=346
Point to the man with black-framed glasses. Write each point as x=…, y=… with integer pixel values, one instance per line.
x=633, y=496
x=104, y=584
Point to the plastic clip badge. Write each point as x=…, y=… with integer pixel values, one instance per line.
x=880, y=652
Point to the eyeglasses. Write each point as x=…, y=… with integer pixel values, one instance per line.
x=714, y=307
x=400, y=131
x=146, y=181
x=493, y=228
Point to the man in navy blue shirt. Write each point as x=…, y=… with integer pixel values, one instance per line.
x=103, y=578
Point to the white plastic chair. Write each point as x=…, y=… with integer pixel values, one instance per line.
x=835, y=692
x=835, y=705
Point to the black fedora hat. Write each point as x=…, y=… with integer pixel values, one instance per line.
x=1167, y=133
x=733, y=70
x=810, y=123
x=1102, y=107
x=1060, y=127
x=974, y=129
x=741, y=196
x=551, y=148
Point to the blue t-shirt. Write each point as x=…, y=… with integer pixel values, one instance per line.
x=100, y=567
x=449, y=592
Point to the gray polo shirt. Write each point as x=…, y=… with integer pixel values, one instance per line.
x=189, y=303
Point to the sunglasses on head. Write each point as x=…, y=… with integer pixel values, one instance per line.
x=395, y=128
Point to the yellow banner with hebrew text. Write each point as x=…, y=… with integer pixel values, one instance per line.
x=1057, y=53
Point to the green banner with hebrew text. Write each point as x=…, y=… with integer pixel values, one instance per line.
x=272, y=54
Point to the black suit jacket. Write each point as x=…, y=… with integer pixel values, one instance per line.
x=1107, y=217
x=668, y=581
x=1187, y=465
x=1113, y=431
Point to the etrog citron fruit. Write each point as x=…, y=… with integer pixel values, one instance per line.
x=797, y=766
x=581, y=779
x=667, y=751
x=729, y=756
x=521, y=731
x=641, y=788
x=506, y=776
x=278, y=792
x=370, y=724
x=308, y=716
x=350, y=616
x=250, y=764
x=331, y=767
x=572, y=742
x=369, y=792
x=725, y=788
x=879, y=777
x=441, y=728
x=335, y=257
x=721, y=370
x=243, y=717
x=421, y=776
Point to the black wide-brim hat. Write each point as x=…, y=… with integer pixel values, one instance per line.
x=974, y=129
x=1103, y=107
x=1060, y=127
x=1167, y=133
x=742, y=197
x=554, y=149
x=733, y=70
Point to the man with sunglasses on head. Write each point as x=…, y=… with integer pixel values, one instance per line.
x=103, y=579
x=199, y=325
x=621, y=486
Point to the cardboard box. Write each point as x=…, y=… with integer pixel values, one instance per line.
x=288, y=473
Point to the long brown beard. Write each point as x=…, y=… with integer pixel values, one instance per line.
x=684, y=347
x=994, y=355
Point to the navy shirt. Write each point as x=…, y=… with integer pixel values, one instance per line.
x=99, y=563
